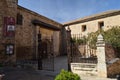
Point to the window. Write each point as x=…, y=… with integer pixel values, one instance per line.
x=101, y=24
x=84, y=28
x=19, y=19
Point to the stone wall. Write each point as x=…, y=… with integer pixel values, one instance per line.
x=25, y=39
x=7, y=9
x=26, y=34
x=110, y=53
x=92, y=25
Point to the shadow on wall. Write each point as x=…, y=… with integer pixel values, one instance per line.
x=24, y=52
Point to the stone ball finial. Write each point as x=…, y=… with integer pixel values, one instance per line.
x=100, y=37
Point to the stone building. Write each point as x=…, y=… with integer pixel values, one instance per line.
x=32, y=25
x=23, y=32
x=82, y=27
x=105, y=20
x=8, y=8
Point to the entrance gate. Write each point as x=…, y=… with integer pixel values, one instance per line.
x=79, y=53
x=45, y=54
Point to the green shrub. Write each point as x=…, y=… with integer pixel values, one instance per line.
x=111, y=36
x=65, y=75
x=79, y=40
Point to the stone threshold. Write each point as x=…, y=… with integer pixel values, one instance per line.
x=95, y=78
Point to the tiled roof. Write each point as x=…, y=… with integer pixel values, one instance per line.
x=94, y=17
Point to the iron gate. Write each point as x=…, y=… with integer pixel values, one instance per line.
x=78, y=50
x=45, y=54
x=80, y=54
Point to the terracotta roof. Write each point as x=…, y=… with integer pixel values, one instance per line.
x=93, y=17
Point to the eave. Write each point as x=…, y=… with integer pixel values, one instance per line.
x=45, y=25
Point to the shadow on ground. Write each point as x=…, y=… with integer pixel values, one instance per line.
x=15, y=73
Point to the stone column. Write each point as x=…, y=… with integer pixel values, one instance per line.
x=101, y=65
x=56, y=43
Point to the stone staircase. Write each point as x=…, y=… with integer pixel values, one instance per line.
x=87, y=71
x=83, y=77
x=84, y=69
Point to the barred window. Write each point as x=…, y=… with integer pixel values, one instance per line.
x=19, y=19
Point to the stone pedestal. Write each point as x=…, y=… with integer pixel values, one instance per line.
x=102, y=70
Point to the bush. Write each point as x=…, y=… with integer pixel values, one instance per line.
x=79, y=40
x=65, y=75
x=111, y=36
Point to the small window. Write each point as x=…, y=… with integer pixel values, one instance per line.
x=101, y=25
x=84, y=28
x=19, y=19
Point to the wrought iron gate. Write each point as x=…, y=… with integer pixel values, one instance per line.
x=80, y=54
x=45, y=54
x=78, y=50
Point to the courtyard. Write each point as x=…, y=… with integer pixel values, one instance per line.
x=17, y=73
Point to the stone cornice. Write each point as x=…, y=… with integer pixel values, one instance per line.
x=37, y=22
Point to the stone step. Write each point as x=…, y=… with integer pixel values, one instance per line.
x=95, y=78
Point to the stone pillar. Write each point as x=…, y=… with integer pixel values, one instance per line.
x=101, y=65
x=56, y=43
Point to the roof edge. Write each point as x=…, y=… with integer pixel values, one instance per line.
x=38, y=22
x=93, y=17
x=35, y=13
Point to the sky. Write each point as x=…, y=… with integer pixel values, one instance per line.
x=67, y=10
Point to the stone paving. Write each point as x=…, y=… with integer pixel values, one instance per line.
x=22, y=74
x=95, y=78
x=13, y=73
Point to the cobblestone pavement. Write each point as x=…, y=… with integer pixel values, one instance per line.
x=22, y=74
x=14, y=73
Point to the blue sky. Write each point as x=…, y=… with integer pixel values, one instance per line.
x=67, y=10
